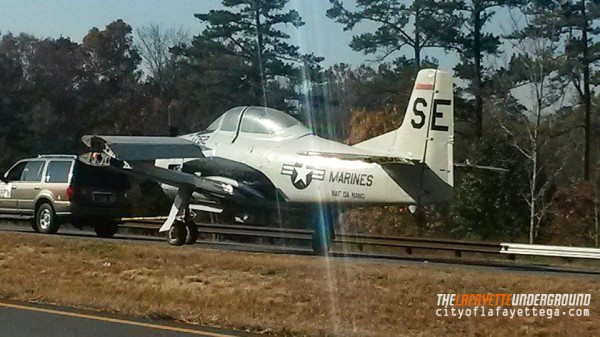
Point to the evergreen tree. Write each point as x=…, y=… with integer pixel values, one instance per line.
x=249, y=33
x=460, y=28
x=400, y=25
x=577, y=21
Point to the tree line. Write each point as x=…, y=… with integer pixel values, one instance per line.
x=524, y=101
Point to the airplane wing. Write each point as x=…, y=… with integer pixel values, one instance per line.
x=131, y=154
x=143, y=148
x=362, y=157
x=190, y=182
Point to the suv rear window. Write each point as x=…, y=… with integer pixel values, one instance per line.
x=58, y=171
x=90, y=176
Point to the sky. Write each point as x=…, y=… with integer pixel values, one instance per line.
x=320, y=35
x=74, y=18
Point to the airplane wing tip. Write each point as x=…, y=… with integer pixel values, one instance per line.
x=481, y=167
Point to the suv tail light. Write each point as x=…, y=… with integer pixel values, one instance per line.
x=71, y=190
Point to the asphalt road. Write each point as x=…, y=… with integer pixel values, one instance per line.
x=29, y=320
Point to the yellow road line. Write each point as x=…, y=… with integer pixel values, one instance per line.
x=113, y=320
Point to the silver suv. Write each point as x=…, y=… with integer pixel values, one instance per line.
x=57, y=189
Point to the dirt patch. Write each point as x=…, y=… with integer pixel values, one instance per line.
x=277, y=294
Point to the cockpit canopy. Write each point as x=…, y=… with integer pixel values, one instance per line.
x=256, y=120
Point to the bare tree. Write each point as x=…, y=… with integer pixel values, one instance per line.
x=154, y=44
x=530, y=75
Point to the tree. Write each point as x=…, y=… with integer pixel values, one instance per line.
x=154, y=48
x=487, y=205
x=209, y=82
x=249, y=31
x=573, y=217
x=536, y=61
x=110, y=54
x=112, y=99
x=12, y=96
x=461, y=29
x=78, y=88
x=399, y=25
x=55, y=72
x=577, y=20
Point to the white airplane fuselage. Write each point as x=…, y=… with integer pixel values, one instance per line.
x=306, y=178
x=410, y=165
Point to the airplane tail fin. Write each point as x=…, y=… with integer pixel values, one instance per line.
x=426, y=134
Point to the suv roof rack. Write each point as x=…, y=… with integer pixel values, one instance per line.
x=70, y=156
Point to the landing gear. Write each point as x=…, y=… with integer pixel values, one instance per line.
x=177, y=233
x=180, y=230
x=323, y=223
x=182, y=233
x=191, y=232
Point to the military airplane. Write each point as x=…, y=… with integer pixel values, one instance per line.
x=254, y=161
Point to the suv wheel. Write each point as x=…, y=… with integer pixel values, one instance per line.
x=33, y=224
x=45, y=219
x=106, y=229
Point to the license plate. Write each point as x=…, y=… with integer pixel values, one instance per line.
x=104, y=197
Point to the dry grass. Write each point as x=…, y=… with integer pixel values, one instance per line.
x=284, y=295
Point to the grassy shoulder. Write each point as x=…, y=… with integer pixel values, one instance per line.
x=279, y=294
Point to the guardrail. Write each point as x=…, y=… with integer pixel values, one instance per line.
x=358, y=240
x=546, y=250
x=355, y=239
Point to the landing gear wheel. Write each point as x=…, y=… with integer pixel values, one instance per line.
x=177, y=234
x=191, y=233
x=45, y=219
x=106, y=229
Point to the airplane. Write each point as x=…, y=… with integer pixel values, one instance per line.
x=253, y=161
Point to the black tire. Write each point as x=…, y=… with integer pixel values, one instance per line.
x=177, y=234
x=32, y=222
x=191, y=233
x=45, y=219
x=106, y=229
